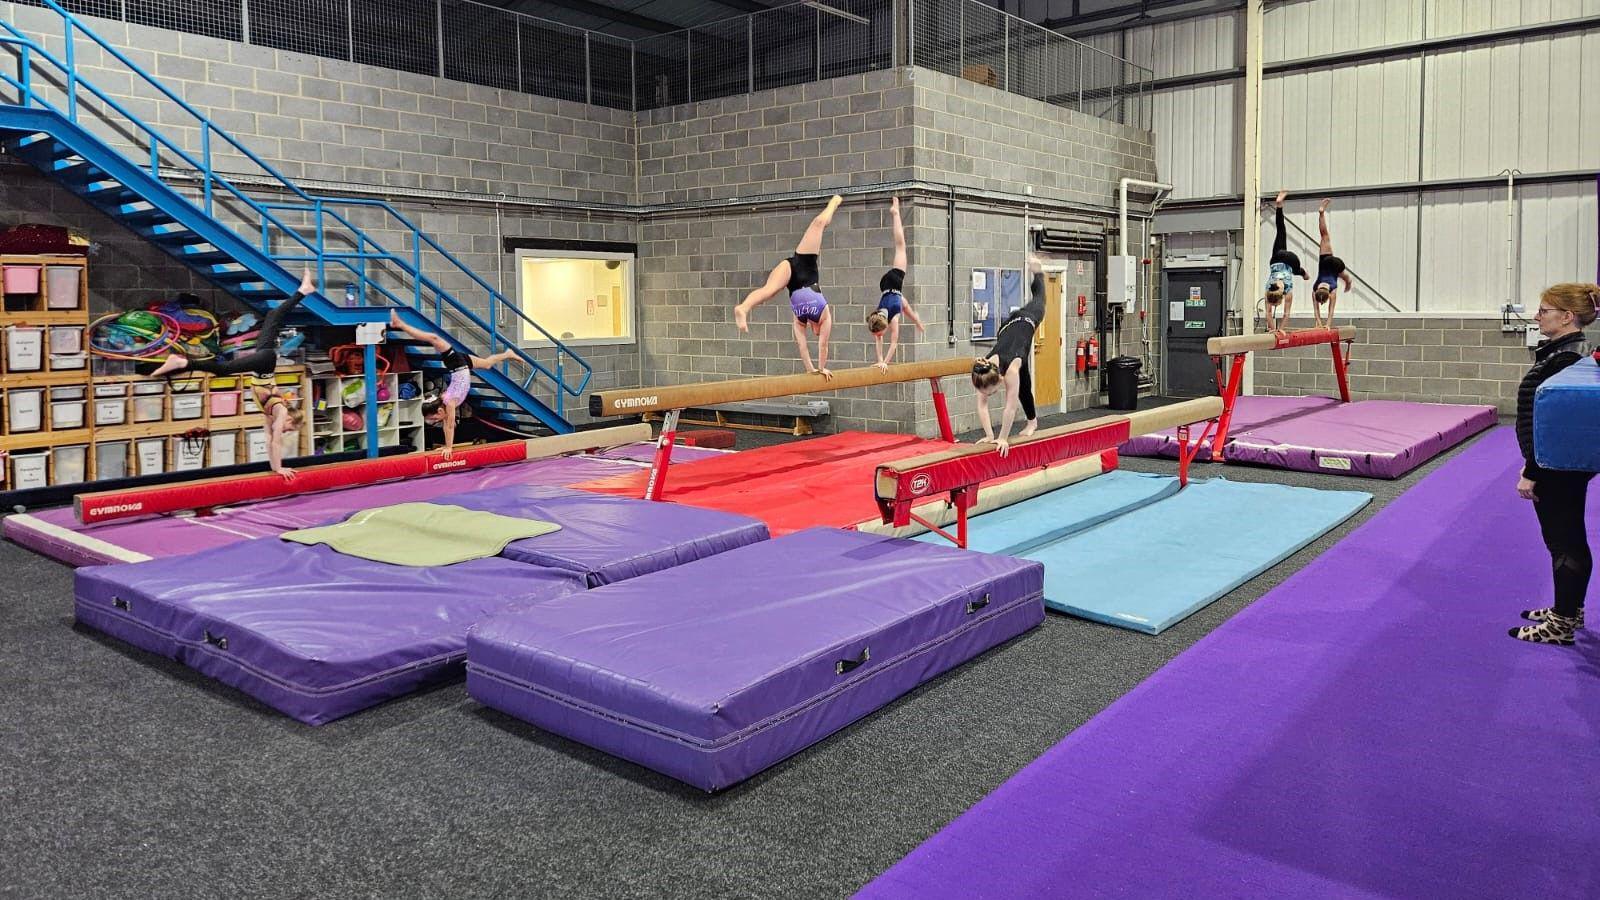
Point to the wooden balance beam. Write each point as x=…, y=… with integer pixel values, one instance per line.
x=959, y=472
x=1236, y=347
x=674, y=399
x=209, y=493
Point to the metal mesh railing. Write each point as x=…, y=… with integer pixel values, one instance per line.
x=469, y=41
x=975, y=41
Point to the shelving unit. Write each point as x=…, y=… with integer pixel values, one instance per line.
x=399, y=421
x=103, y=436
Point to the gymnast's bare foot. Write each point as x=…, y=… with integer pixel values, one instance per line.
x=1029, y=429
x=1282, y=195
x=174, y=363
x=1323, y=206
x=307, y=285
x=741, y=317
x=394, y=319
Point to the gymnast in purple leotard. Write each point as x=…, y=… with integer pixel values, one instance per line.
x=442, y=409
x=802, y=276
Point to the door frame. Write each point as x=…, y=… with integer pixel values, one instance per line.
x=1060, y=268
x=1229, y=278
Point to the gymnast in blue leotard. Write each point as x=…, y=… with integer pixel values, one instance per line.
x=893, y=301
x=801, y=274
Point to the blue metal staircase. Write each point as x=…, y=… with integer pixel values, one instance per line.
x=46, y=118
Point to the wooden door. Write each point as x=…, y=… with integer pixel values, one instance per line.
x=1047, y=347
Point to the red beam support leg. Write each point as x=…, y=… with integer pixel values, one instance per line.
x=1230, y=396
x=1339, y=366
x=658, y=469
x=946, y=432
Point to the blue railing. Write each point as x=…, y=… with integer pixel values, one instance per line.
x=423, y=288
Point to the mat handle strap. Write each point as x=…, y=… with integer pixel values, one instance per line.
x=216, y=640
x=975, y=605
x=845, y=665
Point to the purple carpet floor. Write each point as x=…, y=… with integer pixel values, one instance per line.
x=56, y=533
x=1364, y=730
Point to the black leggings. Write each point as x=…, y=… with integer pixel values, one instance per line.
x=263, y=360
x=1560, y=511
x=1280, y=248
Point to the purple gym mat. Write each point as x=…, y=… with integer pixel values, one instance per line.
x=646, y=452
x=1375, y=438
x=310, y=632
x=319, y=635
x=715, y=670
x=56, y=533
x=1365, y=730
x=1248, y=413
x=653, y=535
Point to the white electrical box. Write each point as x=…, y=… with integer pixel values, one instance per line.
x=1533, y=336
x=1122, y=281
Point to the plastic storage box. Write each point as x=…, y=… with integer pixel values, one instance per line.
x=257, y=444
x=188, y=455
x=113, y=411
x=224, y=448
x=61, y=286
x=152, y=456
x=24, y=348
x=225, y=403
x=69, y=464
x=29, y=470
x=149, y=408
x=22, y=279
x=188, y=406
x=25, y=409
x=66, y=340
x=111, y=460
x=67, y=407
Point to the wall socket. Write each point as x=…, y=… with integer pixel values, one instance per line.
x=1533, y=336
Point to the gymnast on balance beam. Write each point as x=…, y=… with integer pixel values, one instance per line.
x=801, y=275
x=893, y=302
x=1330, y=271
x=1285, y=267
x=1008, y=362
x=261, y=364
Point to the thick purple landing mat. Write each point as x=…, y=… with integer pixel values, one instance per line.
x=1375, y=438
x=646, y=452
x=1248, y=412
x=606, y=538
x=319, y=635
x=1365, y=730
x=305, y=630
x=56, y=533
x=715, y=670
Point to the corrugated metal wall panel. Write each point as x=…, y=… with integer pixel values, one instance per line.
x=1375, y=236
x=1185, y=47
x=1195, y=139
x=1319, y=27
x=1452, y=17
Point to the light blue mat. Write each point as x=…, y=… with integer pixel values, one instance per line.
x=1131, y=549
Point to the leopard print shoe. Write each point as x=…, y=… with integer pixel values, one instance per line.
x=1538, y=615
x=1553, y=629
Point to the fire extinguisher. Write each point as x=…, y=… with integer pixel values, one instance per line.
x=1083, y=305
x=1080, y=357
x=1094, y=353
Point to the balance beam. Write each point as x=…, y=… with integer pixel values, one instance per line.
x=1236, y=347
x=959, y=472
x=209, y=493
x=1278, y=340
x=674, y=399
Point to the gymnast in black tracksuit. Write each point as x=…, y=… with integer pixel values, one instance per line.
x=1008, y=362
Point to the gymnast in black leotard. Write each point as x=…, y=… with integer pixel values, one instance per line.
x=1007, y=362
x=260, y=364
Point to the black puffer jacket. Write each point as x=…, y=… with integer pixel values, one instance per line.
x=1551, y=357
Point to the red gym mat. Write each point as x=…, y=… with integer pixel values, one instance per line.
x=822, y=481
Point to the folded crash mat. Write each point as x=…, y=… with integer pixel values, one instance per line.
x=305, y=630
x=609, y=538
x=1566, y=419
x=422, y=534
x=715, y=670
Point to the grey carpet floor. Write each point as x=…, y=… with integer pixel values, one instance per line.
x=126, y=775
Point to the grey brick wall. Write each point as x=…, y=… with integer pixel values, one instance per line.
x=973, y=135
x=126, y=271
x=854, y=130
x=1427, y=359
